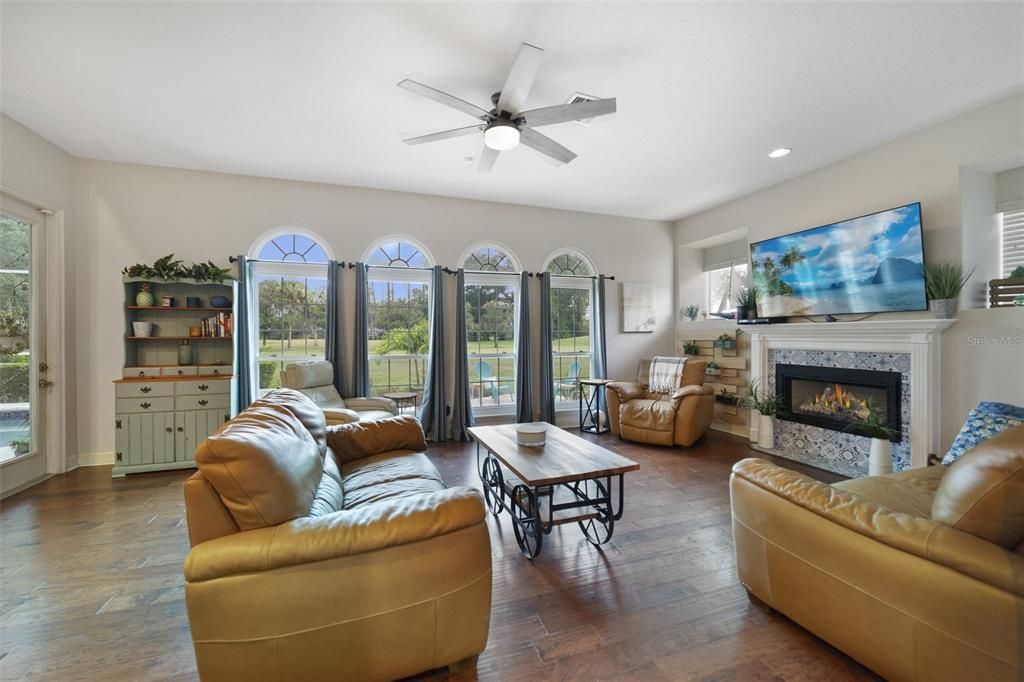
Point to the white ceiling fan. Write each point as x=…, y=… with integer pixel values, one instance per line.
x=507, y=124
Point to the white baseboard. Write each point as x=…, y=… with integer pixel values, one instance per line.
x=735, y=429
x=95, y=459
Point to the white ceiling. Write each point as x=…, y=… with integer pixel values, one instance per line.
x=307, y=91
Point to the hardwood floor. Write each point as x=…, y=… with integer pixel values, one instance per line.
x=91, y=583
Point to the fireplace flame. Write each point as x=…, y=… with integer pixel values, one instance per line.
x=836, y=401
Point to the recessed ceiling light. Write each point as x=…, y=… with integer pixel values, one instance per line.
x=779, y=153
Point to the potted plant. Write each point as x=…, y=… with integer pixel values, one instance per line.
x=873, y=425
x=725, y=342
x=712, y=369
x=727, y=398
x=691, y=312
x=691, y=348
x=767, y=405
x=943, y=282
x=746, y=303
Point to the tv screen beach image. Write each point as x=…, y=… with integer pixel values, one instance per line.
x=870, y=264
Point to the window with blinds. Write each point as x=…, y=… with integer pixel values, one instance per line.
x=1012, y=238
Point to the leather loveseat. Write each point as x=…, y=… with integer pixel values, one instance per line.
x=681, y=417
x=330, y=553
x=918, y=575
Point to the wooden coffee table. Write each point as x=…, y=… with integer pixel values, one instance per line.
x=567, y=480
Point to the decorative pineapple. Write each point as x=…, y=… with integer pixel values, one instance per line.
x=145, y=296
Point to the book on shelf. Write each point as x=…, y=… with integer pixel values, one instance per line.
x=221, y=324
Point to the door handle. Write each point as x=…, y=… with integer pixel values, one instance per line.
x=203, y=387
x=145, y=406
x=181, y=429
x=204, y=402
x=168, y=429
x=146, y=389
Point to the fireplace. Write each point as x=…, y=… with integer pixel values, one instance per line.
x=834, y=398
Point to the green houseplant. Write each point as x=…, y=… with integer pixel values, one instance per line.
x=691, y=348
x=746, y=303
x=943, y=282
x=873, y=424
x=725, y=342
x=691, y=312
x=767, y=406
x=712, y=368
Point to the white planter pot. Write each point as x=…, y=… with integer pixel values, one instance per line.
x=766, y=432
x=880, y=462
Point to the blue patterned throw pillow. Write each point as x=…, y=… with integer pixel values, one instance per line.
x=984, y=421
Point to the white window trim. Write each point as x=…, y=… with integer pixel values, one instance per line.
x=584, y=284
x=388, y=239
x=473, y=248
x=1016, y=211
x=504, y=279
x=384, y=273
x=264, y=238
x=571, y=252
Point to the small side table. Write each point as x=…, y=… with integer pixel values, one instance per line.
x=592, y=402
x=404, y=400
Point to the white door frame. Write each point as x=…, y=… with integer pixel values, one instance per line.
x=55, y=398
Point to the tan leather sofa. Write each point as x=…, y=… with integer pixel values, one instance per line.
x=679, y=418
x=315, y=380
x=918, y=575
x=330, y=553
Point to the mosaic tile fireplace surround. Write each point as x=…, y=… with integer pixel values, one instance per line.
x=910, y=347
x=843, y=453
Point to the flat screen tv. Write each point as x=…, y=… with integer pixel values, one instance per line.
x=870, y=264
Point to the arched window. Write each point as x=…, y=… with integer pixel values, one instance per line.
x=291, y=245
x=489, y=258
x=290, y=270
x=572, y=333
x=570, y=263
x=398, y=314
x=492, y=315
x=397, y=252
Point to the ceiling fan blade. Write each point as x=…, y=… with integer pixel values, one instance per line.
x=487, y=158
x=545, y=145
x=443, y=135
x=444, y=98
x=520, y=79
x=561, y=113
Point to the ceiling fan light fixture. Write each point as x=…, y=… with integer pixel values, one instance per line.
x=501, y=136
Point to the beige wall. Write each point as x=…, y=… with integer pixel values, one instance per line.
x=130, y=213
x=33, y=168
x=981, y=354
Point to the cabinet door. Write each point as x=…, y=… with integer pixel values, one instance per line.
x=191, y=428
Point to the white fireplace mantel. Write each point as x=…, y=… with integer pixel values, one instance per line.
x=918, y=337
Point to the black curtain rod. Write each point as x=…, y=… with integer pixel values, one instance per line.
x=446, y=270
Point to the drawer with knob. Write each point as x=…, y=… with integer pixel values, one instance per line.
x=144, y=404
x=215, y=370
x=143, y=389
x=140, y=372
x=202, y=387
x=202, y=402
x=178, y=371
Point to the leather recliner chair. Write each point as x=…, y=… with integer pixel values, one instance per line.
x=679, y=418
x=918, y=575
x=315, y=380
x=330, y=553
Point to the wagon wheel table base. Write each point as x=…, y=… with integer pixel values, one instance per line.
x=568, y=480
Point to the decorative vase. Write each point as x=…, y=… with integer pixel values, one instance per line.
x=880, y=461
x=741, y=312
x=766, y=432
x=144, y=298
x=185, y=354
x=943, y=309
x=142, y=328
